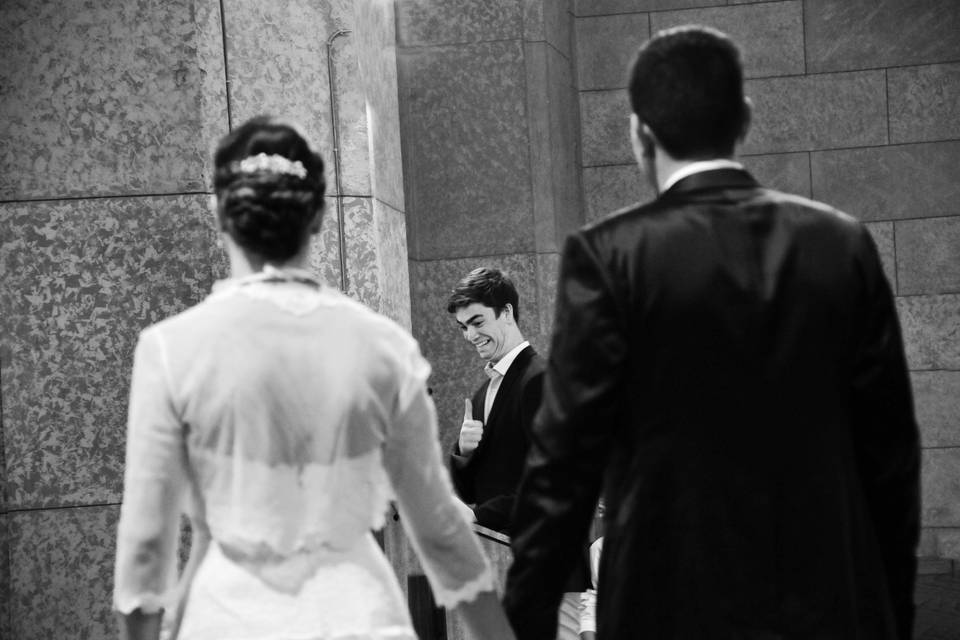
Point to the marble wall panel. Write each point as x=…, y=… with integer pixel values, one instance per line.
x=925, y=102
x=936, y=398
x=940, y=469
x=107, y=98
x=466, y=155
x=548, y=277
x=607, y=189
x=377, y=62
x=277, y=60
x=605, y=128
x=890, y=183
x=429, y=22
x=929, y=324
x=549, y=21
x=770, y=34
x=81, y=278
x=789, y=172
x=883, y=236
x=606, y=46
x=61, y=566
x=928, y=255
x=553, y=135
x=361, y=250
x=844, y=35
x=803, y=113
x=5, y=594
x=457, y=370
x=392, y=267
x=948, y=543
x=608, y=7
x=325, y=246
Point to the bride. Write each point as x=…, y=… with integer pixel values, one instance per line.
x=282, y=418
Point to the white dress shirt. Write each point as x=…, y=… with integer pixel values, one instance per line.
x=496, y=372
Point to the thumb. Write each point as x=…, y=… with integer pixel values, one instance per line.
x=467, y=409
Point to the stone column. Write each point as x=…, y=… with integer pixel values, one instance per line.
x=488, y=123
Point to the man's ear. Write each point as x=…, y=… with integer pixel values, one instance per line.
x=508, y=309
x=747, y=119
x=642, y=138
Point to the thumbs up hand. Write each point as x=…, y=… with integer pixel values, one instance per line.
x=470, y=431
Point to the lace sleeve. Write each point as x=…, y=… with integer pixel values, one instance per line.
x=432, y=517
x=154, y=482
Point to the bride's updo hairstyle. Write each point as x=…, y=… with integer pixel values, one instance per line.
x=269, y=185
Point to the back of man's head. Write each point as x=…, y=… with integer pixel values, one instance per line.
x=686, y=84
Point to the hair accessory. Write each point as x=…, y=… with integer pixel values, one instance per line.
x=272, y=163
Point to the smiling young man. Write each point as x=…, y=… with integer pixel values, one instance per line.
x=488, y=459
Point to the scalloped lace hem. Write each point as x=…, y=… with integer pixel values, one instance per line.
x=468, y=592
x=146, y=603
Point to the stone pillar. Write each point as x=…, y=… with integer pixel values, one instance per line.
x=488, y=124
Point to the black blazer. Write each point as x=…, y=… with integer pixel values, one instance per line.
x=727, y=362
x=489, y=477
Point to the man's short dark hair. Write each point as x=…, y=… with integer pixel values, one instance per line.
x=490, y=287
x=686, y=84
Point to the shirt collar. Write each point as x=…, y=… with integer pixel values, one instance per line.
x=698, y=167
x=504, y=363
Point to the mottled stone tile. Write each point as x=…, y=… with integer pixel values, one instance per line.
x=882, y=233
x=377, y=61
x=948, y=543
x=429, y=22
x=607, y=189
x=890, y=183
x=606, y=46
x=554, y=134
x=931, y=330
x=789, y=172
x=607, y=7
x=925, y=102
x=113, y=99
x=81, y=279
x=817, y=112
x=5, y=593
x=391, y=265
x=467, y=161
x=844, y=35
x=548, y=21
x=61, y=564
x=928, y=255
x=325, y=246
x=769, y=34
x=936, y=398
x=940, y=482
x=277, y=58
x=605, y=128
x=457, y=370
x=361, y=250
x=548, y=278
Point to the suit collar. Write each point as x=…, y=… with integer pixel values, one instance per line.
x=514, y=373
x=728, y=178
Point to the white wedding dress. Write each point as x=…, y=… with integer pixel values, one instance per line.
x=282, y=418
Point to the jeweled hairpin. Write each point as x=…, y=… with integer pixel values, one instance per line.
x=272, y=163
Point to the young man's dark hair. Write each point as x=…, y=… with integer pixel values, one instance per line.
x=687, y=86
x=488, y=286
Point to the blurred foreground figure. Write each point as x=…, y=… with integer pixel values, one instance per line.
x=727, y=367
x=281, y=417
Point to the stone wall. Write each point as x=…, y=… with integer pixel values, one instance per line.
x=108, y=118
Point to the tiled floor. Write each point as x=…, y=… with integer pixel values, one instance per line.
x=938, y=607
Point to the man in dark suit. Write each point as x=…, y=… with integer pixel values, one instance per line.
x=727, y=367
x=494, y=437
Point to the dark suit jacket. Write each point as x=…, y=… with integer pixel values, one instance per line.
x=489, y=477
x=727, y=361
